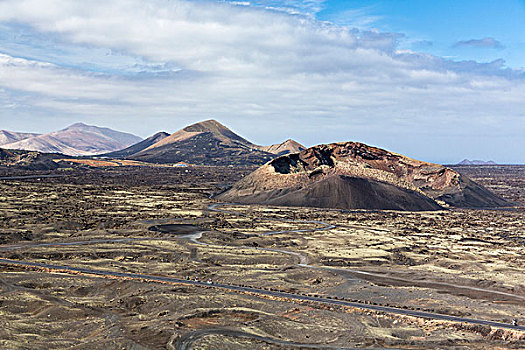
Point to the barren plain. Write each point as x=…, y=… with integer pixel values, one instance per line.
x=161, y=221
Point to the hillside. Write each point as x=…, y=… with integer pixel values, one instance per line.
x=205, y=143
x=7, y=137
x=77, y=140
x=138, y=147
x=286, y=147
x=353, y=175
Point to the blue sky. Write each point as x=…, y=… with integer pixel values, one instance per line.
x=439, y=81
x=436, y=27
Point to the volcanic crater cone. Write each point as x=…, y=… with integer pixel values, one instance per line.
x=205, y=143
x=353, y=175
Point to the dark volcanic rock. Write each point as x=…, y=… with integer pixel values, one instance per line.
x=470, y=194
x=344, y=192
x=138, y=147
x=4, y=155
x=180, y=229
x=29, y=160
x=356, y=176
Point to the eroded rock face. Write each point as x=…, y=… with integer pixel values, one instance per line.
x=335, y=167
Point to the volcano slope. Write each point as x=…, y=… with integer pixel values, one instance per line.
x=205, y=143
x=353, y=175
x=138, y=147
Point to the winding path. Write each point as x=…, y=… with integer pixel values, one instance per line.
x=186, y=341
x=260, y=292
x=366, y=275
x=255, y=291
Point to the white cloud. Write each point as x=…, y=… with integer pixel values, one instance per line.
x=237, y=62
x=485, y=43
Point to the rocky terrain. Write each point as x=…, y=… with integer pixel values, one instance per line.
x=77, y=140
x=353, y=175
x=461, y=262
x=504, y=180
x=27, y=160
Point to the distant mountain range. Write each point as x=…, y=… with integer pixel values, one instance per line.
x=76, y=140
x=476, y=162
x=204, y=143
x=7, y=137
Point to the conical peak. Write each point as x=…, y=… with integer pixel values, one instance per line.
x=210, y=125
x=78, y=125
x=160, y=134
x=291, y=142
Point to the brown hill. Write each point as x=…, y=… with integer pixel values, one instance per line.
x=7, y=137
x=205, y=143
x=353, y=175
x=286, y=147
x=77, y=140
x=213, y=127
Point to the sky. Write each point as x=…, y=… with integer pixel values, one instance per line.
x=436, y=80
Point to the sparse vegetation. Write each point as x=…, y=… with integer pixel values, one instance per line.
x=419, y=260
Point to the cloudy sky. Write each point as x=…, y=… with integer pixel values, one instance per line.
x=436, y=80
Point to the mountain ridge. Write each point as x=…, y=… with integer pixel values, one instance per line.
x=7, y=137
x=476, y=162
x=77, y=140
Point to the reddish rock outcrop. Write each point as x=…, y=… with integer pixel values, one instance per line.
x=354, y=175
